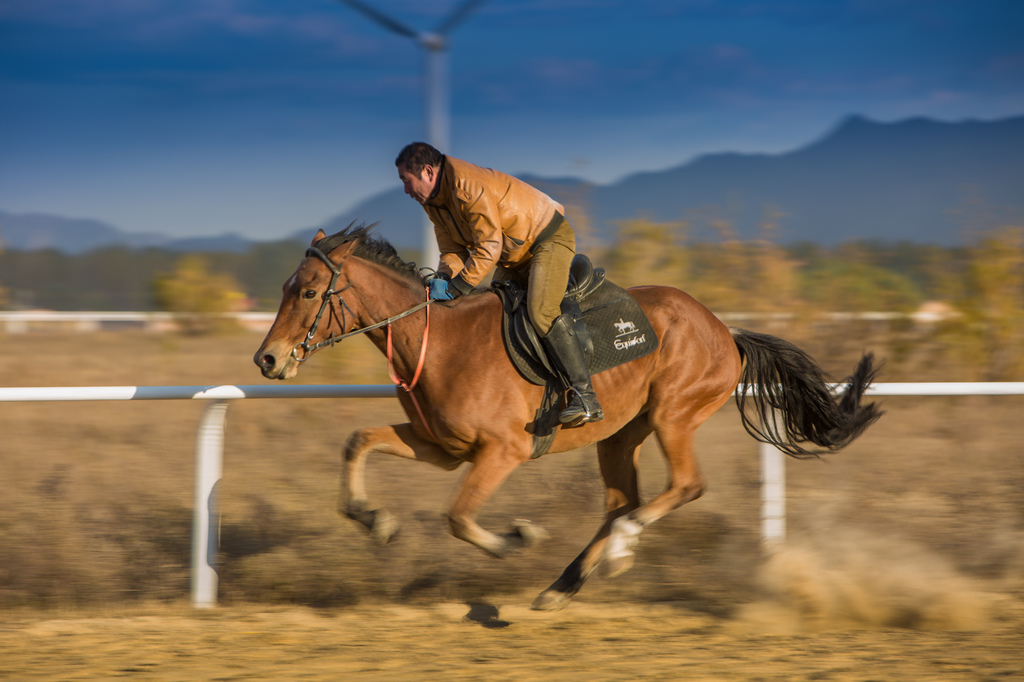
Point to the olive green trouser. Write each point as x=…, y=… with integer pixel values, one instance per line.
x=544, y=277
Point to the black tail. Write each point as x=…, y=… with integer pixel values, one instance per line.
x=784, y=380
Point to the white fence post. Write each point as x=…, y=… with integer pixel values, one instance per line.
x=773, y=496
x=206, y=512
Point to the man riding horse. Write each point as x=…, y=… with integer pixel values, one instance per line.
x=484, y=219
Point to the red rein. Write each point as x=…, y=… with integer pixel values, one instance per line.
x=408, y=386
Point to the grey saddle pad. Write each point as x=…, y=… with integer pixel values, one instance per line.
x=619, y=330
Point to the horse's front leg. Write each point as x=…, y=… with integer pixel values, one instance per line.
x=398, y=440
x=490, y=469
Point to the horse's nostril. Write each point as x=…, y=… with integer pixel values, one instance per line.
x=268, y=361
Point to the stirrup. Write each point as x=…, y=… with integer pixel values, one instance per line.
x=580, y=410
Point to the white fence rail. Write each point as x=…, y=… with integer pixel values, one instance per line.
x=24, y=321
x=210, y=440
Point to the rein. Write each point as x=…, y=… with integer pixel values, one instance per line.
x=408, y=386
x=307, y=348
x=325, y=301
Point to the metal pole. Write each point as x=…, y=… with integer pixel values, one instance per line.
x=206, y=515
x=438, y=127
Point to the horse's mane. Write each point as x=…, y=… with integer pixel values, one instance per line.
x=372, y=248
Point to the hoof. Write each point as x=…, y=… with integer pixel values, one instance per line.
x=385, y=526
x=551, y=600
x=614, y=567
x=528, y=533
x=523, y=534
x=380, y=523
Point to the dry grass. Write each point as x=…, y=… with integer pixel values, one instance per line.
x=907, y=527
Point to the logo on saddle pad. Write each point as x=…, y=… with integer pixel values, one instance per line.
x=625, y=329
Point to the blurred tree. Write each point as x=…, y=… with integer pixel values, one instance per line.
x=994, y=304
x=720, y=276
x=37, y=279
x=264, y=268
x=845, y=283
x=937, y=268
x=648, y=252
x=4, y=298
x=579, y=218
x=196, y=297
x=730, y=275
x=116, y=277
x=775, y=284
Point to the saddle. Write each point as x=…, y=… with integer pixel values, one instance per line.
x=609, y=322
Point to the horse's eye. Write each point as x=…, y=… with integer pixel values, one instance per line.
x=309, y=293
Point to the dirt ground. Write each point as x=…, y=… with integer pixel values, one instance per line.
x=453, y=641
x=904, y=560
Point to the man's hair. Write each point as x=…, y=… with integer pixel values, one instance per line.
x=417, y=155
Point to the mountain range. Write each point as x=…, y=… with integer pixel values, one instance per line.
x=916, y=180
x=38, y=231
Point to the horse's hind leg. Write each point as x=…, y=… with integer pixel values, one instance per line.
x=675, y=432
x=685, y=485
x=618, y=457
x=398, y=440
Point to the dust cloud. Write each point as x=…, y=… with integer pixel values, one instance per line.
x=860, y=579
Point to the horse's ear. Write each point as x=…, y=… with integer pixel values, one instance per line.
x=320, y=234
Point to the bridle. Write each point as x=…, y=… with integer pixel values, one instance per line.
x=325, y=302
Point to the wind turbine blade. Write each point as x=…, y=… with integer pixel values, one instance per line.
x=381, y=18
x=460, y=14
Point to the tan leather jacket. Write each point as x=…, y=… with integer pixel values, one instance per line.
x=483, y=218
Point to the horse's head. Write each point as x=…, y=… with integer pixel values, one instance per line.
x=306, y=314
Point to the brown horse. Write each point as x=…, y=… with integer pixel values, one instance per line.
x=466, y=402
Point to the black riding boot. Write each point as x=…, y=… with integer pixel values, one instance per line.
x=566, y=352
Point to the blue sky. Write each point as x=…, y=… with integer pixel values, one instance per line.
x=200, y=117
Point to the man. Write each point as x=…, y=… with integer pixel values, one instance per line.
x=486, y=220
